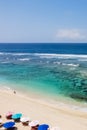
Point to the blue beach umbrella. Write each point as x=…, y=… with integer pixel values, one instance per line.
x=43, y=127
x=8, y=124
x=16, y=116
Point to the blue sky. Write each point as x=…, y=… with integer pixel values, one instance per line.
x=43, y=21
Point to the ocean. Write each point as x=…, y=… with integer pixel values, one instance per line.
x=55, y=72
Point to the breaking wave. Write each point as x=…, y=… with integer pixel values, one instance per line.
x=74, y=65
x=46, y=55
x=24, y=59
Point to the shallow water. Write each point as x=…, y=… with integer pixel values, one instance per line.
x=54, y=72
x=52, y=75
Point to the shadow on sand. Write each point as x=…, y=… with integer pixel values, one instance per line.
x=12, y=128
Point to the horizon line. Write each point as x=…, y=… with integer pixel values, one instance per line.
x=43, y=42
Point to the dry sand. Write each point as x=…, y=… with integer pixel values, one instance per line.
x=65, y=118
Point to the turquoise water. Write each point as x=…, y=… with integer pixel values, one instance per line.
x=47, y=75
x=51, y=71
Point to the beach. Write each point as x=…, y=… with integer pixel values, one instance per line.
x=43, y=65
x=47, y=85
x=63, y=117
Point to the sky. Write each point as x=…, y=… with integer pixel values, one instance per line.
x=40, y=21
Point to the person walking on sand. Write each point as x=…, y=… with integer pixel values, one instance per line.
x=14, y=92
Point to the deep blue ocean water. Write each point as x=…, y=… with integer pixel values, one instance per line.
x=47, y=69
x=60, y=48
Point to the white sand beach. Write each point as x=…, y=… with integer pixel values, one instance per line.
x=65, y=118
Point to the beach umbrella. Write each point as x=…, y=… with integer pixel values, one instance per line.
x=9, y=115
x=16, y=116
x=34, y=123
x=55, y=128
x=43, y=127
x=8, y=124
x=24, y=119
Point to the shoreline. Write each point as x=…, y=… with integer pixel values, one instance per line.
x=62, y=117
x=66, y=103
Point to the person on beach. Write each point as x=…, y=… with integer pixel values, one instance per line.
x=14, y=92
